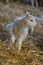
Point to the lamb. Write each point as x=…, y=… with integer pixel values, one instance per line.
x=19, y=29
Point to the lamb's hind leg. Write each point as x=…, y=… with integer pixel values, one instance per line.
x=22, y=38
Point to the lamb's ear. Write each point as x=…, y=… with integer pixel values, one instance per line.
x=27, y=14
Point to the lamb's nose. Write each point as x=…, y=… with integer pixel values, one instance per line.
x=38, y=25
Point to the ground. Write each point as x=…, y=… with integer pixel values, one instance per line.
x=32, y=49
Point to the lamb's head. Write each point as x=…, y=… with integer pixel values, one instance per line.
x=30, y=20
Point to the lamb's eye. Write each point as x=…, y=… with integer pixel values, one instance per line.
x=32, y=20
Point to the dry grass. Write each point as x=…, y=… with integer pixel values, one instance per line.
x=32, y=49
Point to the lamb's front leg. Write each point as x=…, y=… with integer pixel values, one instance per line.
x=12, y=39
x=22, y=38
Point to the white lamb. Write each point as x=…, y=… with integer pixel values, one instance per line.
x=18, y=30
